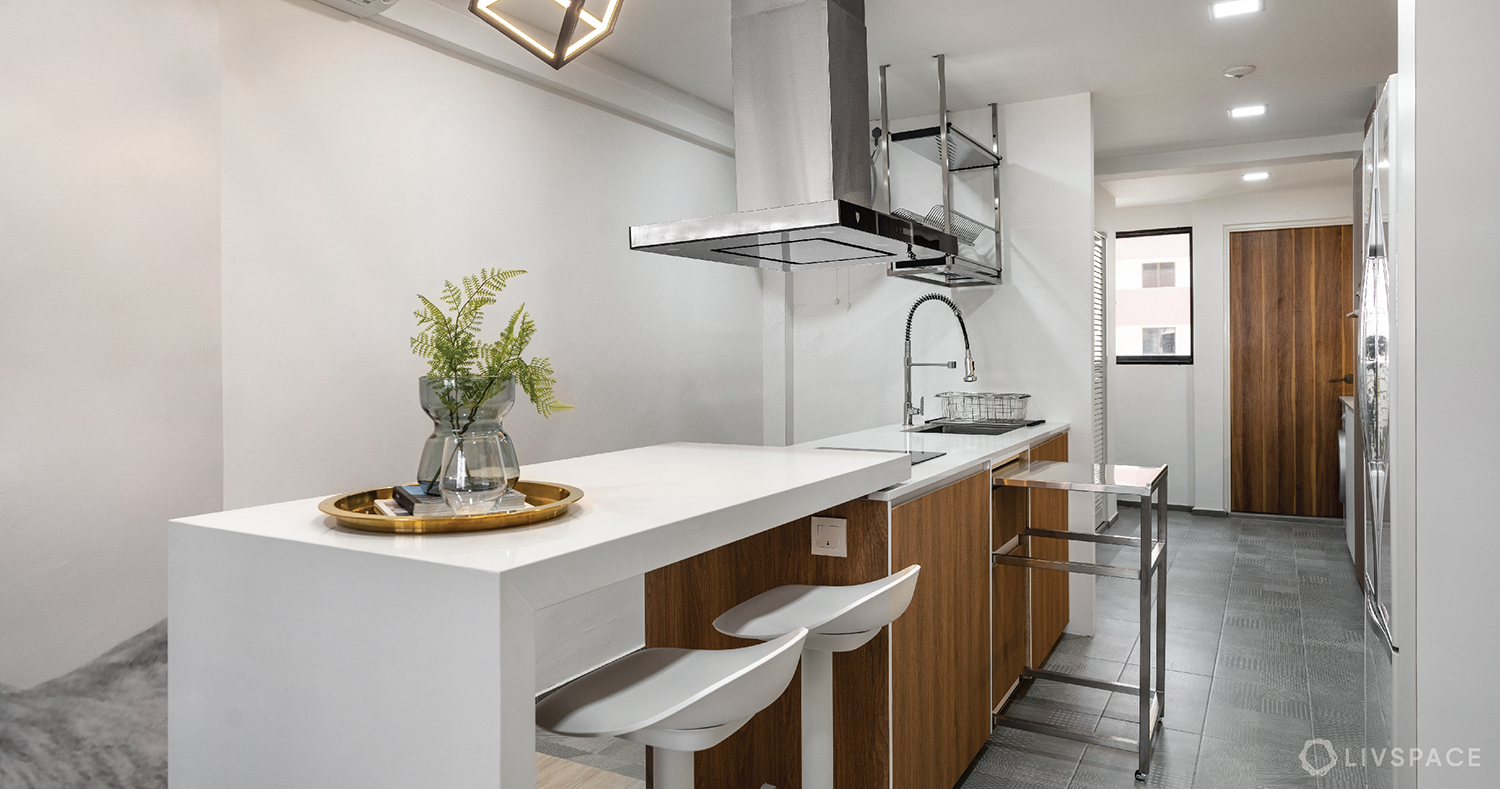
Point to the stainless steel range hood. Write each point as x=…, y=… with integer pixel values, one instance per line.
x=802, y=155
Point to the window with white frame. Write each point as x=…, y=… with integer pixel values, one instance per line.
x=1153, y=315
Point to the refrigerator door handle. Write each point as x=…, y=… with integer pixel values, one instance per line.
x=1343, y=463
x=1376, y=612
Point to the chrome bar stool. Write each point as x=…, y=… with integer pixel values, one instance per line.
x=839, y=619
x=677, y=701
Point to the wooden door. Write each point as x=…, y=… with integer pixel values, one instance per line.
x=1290, y=344
x=940, y=648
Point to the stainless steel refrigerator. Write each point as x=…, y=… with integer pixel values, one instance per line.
x=1377, y=351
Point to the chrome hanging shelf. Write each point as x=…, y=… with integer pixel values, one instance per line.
x=953, y=151
x=964, y=152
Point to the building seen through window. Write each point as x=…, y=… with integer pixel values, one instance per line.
x=1153, y=316
x=1159, y=341
x=1162, y=274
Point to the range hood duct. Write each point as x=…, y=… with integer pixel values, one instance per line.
x=802, y=157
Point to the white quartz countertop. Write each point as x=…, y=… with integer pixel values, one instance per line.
x=642, y=509
x=966, y=455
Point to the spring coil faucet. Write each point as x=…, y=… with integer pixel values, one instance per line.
x=907, y=410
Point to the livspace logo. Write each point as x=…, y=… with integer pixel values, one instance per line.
x=1319, y=757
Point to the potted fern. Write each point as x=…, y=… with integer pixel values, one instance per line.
x=469, y=388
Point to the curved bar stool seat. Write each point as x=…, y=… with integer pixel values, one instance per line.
x=676, y=700
x=839, y=619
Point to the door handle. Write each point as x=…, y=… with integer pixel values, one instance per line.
x=1347, y=379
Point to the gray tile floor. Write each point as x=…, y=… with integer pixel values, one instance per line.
x=1265, y=650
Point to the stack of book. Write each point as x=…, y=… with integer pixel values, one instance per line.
x=418, y=502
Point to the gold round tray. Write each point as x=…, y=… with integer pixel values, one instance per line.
x=357, y=511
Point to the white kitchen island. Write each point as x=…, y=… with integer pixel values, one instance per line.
x=306, y=655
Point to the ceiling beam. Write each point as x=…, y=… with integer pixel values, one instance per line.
x=596, y=81
x=1204, y=160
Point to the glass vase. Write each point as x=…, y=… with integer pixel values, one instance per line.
x=465, y=407
x=474, y=475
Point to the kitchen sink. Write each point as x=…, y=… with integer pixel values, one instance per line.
x=972, y=428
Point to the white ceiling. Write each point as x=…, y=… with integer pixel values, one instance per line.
x=1154, y=66
x=1189, y=187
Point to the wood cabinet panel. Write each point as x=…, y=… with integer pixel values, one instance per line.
x=683, y=599
x=1008, y=510
x=940, y=668
x=1008, y=614
x=1049, y=588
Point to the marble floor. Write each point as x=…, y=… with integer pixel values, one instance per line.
x=1265, y=650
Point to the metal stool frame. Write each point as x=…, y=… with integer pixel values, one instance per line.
x=1121, y=480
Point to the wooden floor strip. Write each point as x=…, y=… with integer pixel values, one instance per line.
x=555, y=773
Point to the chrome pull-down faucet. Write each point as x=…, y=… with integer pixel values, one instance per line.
x=907, y=410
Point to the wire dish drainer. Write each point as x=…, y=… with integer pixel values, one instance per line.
x=984, y=406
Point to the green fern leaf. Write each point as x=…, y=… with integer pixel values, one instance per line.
x=448, y=341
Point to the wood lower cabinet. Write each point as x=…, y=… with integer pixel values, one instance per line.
x=912, y=707
x=683, y=599
x=1049, y=588
x=940, y=668
x=1013, y=509
x=1010, y=511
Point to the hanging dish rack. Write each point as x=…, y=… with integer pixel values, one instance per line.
x=953, y=151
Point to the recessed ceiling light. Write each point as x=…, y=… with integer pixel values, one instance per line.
x=1235, y=8
x=1239, y=72
x=1257, y=176
x=1248, y=112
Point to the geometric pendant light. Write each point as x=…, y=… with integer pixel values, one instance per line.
x=567, y=48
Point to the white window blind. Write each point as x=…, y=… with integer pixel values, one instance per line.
x=1099, y=358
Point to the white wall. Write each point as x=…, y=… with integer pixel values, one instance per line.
x=849, y=323
x=1447, y=49
x=1029, y=335
x=109, y=211
x=1175, y=414
x=361, y=168
x=1026, y=334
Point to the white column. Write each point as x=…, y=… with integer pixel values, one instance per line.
x=671, y=769
x=303, y=667
x=517, y=679
x=817, y=719
x=777, y=359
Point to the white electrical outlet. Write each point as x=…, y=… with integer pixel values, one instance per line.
x=828, y=537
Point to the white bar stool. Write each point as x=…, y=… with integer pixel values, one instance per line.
x=675, y=700
x=840, y=619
